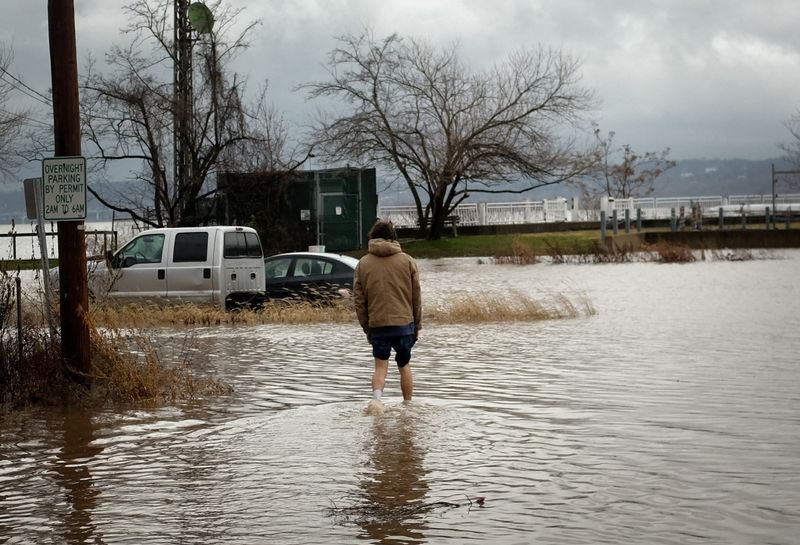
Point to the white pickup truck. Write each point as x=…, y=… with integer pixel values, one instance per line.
x=221, y=265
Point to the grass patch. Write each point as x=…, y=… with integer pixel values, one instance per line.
x=511, y=307
x=12, y=265
x=501, y=245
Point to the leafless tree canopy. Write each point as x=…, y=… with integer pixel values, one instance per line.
x=128, y=110
x=792, y=149
x=12, y=122
x=449, y=131
x=622, y=172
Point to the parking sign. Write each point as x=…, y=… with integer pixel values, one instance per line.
x=64, y=188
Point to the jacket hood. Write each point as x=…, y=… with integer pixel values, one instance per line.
x=384, y=248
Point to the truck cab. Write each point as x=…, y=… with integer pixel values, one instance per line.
x=220, y=265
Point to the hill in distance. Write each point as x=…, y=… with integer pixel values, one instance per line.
x=689, y=178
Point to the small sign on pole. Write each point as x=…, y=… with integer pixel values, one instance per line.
x=64, y=188
x=32, y=186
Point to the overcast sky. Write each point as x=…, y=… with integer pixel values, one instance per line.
x=714, y=79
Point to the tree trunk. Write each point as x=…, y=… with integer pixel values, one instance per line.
x=438, y=215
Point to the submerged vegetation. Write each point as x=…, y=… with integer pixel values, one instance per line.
x=513, y=307
x=521, y=252
x=127, y=364
x=472, y=308
x=130, y=366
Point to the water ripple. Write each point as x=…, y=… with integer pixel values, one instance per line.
x=670, y=417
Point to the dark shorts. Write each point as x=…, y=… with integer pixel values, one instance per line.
x=382, y=347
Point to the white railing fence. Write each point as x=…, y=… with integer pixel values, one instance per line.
x=561, y=209
x=487, y=213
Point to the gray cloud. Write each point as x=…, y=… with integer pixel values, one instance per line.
x=706, y=78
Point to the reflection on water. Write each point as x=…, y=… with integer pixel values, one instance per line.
x=393, y=484
x=70, y=472
x=673, y=416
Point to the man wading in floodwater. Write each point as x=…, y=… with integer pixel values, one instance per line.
x=388, y=305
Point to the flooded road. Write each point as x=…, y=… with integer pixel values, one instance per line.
x=672, y=416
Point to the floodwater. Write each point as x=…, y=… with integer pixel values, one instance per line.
x=672, y=416
x=27, y=247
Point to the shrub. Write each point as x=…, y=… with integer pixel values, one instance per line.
x=520, y=254
x=126, y=367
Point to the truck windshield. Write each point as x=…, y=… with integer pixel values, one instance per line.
x=143, y=249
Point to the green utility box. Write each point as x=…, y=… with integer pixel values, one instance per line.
x=334, y=208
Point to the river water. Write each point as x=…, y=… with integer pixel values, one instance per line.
x=672, y=416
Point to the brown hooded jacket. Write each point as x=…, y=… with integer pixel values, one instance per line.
x=386, y=287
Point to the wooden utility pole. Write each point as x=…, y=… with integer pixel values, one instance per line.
x=73, y=296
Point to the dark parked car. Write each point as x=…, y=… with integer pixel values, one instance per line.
x=309, y=275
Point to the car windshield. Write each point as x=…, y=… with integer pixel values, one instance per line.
x=277, y=267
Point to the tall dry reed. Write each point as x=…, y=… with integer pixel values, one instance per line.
x=519, y=254
x=293, y=311
x=511, y=307
x=126, y=367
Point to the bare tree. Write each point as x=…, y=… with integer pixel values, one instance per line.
x=621, y=172
x=12, y=121
x=792, y=148
x=447, y=131
x=129, y=110
x=268, y=147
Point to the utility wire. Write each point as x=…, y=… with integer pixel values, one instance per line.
x=24, y=88
x=23, y=118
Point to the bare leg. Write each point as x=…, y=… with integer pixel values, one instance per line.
x=379, y=376
x=406, y=382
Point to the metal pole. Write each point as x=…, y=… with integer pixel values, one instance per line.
x=673, y=220
x=627, y=221
x=18, y=282
x=74, y=297
x=44, y=261
x=773, y=191
x=318, y=200
x=602, y=226
x=614, y=221
x=639, y=220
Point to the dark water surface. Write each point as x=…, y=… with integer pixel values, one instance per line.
x=673, y=416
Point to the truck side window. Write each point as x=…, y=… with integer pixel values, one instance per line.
x=143, y=249
x=239, y=244
x=190, y=247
